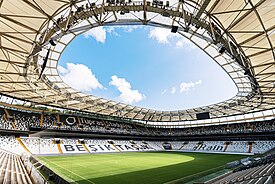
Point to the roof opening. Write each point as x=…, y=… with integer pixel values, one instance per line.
x=144, y=66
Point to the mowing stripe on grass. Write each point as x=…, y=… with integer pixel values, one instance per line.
x=138, y=167
x=190, y=176
x=70, y=172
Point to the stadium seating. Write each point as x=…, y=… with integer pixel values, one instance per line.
x=259, y=146
x=15, y=119
x=37, y=145
x=9, y=143
x=4, y=122
x=47, y=146
x=12, y=169
x=232, y=147
x=263, y=174
x=22, y=120
x=259, y=173
x=89, y=125
x=238, y=146
x=40, y=146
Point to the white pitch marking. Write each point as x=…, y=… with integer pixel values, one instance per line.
x=70, y=172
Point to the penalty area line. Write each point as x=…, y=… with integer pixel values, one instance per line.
x=70, y=172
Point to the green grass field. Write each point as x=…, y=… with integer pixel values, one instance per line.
x=136, y=168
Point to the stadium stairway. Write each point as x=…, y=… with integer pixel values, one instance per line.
x=59, y=148
x=22, y=144
x=116, y=148
x=85, y=147
x=12, y=122
x=41, y=120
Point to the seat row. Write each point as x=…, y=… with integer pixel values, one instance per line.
x=12, y=170
x=256, y=175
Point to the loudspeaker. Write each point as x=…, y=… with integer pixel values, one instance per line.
x=52, y=43
x=203, y=115
x=174, y=29
x=81, y=141
x=111, y=142
x=222, y=50
x=247, y=72
x=57, y=141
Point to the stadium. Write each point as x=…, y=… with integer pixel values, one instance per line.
x=51, y=132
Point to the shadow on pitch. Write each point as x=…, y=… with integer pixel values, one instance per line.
x=164, y=174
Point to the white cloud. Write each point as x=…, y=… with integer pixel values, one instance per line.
x=127, y=29
x=164, y=36
x=79, y=77
x=112, y=31
x=184, y=42
x=180, y=43
x=115, y=30
x=130, y=29
x=98, y=33
x=61, y=70
x=187, y=86
x=173, y=91
x=163, y=92
x=161, y=35
x=127, y=95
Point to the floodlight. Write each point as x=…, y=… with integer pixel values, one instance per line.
x=174, y=29
x=52, y=42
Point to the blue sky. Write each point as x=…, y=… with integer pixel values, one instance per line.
x=144, y=66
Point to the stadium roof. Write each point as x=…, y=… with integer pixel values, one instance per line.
x=237, y=34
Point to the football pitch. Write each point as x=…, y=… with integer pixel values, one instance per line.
x=137, y=167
